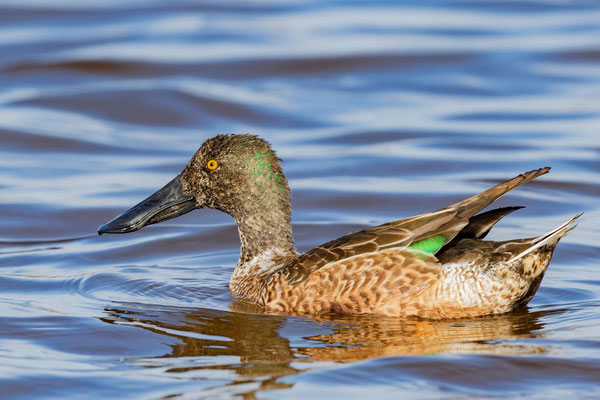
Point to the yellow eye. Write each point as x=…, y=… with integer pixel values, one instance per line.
x=212, y=164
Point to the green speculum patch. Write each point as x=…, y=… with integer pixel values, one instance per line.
x=429, y=245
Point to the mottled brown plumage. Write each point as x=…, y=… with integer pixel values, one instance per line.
x=433, y=265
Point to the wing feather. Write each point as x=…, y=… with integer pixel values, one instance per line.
x=446, y=222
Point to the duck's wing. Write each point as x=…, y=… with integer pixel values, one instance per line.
x=426, y=232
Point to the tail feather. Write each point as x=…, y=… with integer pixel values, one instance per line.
x=550, y=237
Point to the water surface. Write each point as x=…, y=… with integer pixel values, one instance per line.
x=380, y=111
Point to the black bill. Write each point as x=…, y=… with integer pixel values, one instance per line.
x=168, y=202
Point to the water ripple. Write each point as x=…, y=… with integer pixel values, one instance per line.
x=380, y=111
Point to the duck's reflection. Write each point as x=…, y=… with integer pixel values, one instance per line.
x=240, y=347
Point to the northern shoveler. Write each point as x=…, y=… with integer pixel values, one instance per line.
x=433, y=265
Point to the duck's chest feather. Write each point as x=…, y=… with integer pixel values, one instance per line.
x=250, y=278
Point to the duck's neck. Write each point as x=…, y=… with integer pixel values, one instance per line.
x=266, y=243
x=260, y=233
x=262, y=211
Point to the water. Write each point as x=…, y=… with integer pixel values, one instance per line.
x=380, y=111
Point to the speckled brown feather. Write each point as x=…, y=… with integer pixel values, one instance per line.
x=389, y=282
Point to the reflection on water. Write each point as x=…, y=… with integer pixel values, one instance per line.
x=381, y=110
x=266, y=347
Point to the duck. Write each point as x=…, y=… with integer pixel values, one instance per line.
x=431, y=266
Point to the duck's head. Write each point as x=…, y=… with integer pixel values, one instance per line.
x=237, y=174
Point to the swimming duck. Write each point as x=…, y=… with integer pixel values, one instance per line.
x=433, y=265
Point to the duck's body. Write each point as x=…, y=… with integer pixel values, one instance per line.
x=434, y=265
x=397, y=282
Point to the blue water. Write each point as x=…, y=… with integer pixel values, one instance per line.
x=380, y=111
